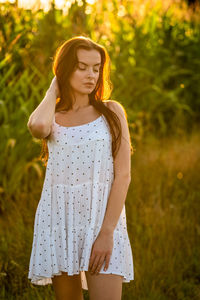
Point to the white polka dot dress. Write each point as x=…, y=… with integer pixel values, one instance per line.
x=70, y=213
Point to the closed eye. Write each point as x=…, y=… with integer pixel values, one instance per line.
x=85, y=69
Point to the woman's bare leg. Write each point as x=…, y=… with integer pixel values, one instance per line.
x=67, y=287
x=104, y=286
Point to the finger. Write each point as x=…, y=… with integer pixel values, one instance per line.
x=95, y=264
x=100, y=264
x=107, y=261
x=92, y=258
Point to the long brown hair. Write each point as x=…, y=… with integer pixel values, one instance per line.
x=64, y=63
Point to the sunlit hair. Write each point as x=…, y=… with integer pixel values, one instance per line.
x=64, y=64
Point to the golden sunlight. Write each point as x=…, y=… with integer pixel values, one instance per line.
x=45, y=4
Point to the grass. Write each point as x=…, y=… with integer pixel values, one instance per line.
x=163, y=210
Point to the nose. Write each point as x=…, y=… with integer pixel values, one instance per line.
x=91, y=73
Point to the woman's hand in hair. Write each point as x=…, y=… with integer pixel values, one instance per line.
x=54, y=87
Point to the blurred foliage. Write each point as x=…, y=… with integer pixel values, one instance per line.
x=155, y=62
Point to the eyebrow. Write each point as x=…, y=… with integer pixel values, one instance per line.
x=86, y=64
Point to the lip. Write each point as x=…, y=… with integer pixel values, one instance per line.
x=89, y=84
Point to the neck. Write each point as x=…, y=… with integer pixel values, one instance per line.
x=80, y=102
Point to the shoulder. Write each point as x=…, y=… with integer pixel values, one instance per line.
x=117, y=107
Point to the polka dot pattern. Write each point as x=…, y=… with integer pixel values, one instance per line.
x=70, y=213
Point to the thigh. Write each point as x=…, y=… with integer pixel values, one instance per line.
x=67, y=287
x=104, y=286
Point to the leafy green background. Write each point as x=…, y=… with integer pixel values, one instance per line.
x=155, y=64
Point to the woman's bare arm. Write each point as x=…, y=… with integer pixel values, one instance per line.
x=40, y=121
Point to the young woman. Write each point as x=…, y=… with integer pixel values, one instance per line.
x=80, y=233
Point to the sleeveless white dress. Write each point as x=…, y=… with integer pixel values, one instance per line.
x=70, y=213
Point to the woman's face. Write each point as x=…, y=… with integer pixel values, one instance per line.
x=87, y=71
